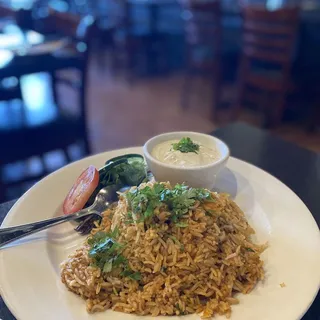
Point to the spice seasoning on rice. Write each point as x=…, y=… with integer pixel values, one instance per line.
x=173, y=251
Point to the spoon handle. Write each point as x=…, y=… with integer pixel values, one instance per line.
x=11, y=234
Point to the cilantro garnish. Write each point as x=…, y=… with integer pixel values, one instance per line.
x=181, y=224
x=105, y=252
x=142, y=202
x=186, y=145
x=132, y=275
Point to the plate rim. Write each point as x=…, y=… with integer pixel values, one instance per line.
x=4, y=223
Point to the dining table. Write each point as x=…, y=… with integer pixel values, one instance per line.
x=297, y=167
x=27, y=51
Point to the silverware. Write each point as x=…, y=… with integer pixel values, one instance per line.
x=102, y=201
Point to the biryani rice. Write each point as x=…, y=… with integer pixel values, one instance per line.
x=195, y=269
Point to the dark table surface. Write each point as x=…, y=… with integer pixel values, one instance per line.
x=298, y=168
x=27, y=51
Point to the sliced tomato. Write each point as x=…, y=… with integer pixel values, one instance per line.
x=81, y=190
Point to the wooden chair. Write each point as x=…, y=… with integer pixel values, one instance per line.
x=203, y=31
x=131, y=40
x=267, y=52
x=76, y=55
x=66, y=127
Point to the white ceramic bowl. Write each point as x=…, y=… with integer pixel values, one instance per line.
x=199, y=176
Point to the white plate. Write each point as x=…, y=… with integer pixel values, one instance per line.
x=29, y=272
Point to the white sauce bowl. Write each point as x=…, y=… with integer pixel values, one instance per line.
x=202, y=176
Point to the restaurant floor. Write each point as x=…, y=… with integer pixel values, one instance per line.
x=123, y=114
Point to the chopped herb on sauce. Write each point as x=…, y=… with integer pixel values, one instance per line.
x=186, y=145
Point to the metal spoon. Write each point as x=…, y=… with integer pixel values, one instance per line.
x=102, y=201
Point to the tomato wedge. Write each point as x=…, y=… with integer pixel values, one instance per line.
x=81, y=190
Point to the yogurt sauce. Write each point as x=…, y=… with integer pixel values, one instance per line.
x=165, y=153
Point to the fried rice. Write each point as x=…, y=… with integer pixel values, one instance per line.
x=198, y=268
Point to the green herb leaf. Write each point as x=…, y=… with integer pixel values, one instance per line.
x=149, y=212
x=181, y=224
x=107, y=266
x=175, y=240
x=210, y=213
x=132, y=275
x=178, y=200
x=115, y=233
x=99, y=244
x=119, y=260
x=129, y=218
x=105, y=251
x=135, y=276
x=96, y=238
x=186, y=145
x=249, y=249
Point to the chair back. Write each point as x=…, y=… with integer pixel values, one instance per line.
x=267, y=55
x=203, y=27
x=269, y=36
x=66, y=128
x=81, y=32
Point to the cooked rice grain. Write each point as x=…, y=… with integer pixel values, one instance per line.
x=196, y=269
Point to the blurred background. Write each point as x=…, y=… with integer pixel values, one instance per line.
x=79, y=77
